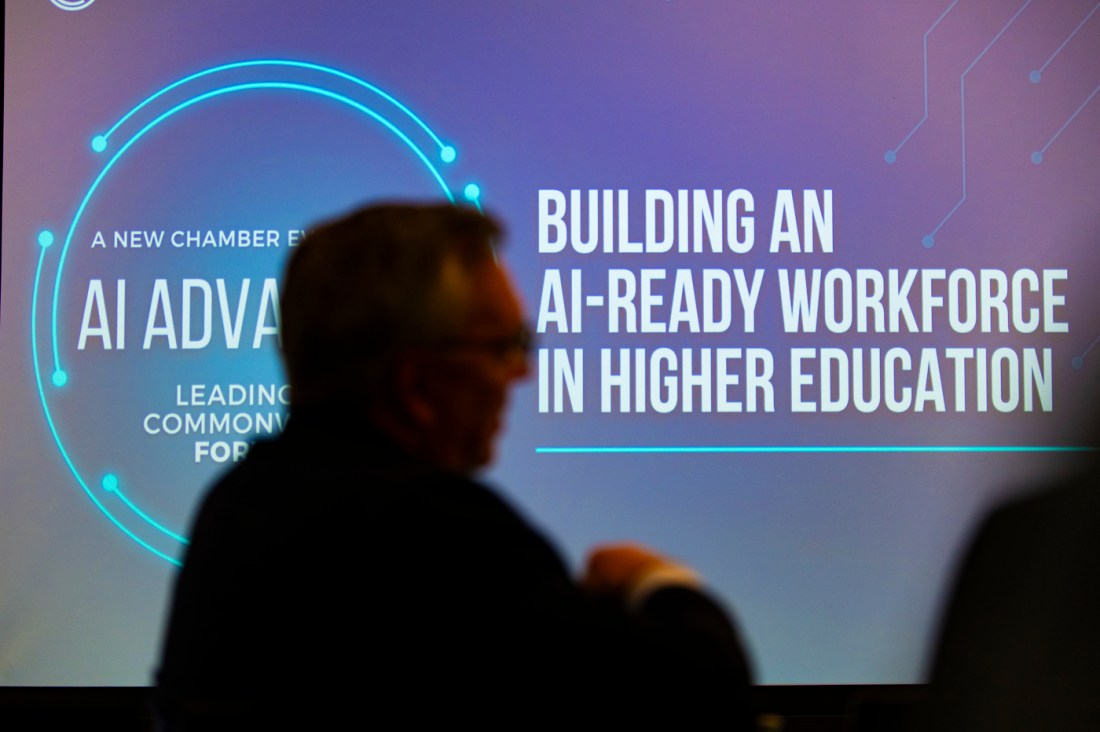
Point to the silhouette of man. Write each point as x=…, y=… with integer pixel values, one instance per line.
x=351, y=569
x=1019, y=645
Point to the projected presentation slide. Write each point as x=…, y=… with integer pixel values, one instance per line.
x=814, y=283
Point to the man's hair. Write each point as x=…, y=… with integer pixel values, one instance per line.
x=361, y=288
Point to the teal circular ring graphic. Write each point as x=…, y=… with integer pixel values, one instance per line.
x=108, y=493
x=72, y=4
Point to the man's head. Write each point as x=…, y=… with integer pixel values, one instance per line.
x=402, y=313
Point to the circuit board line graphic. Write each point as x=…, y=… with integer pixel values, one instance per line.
x=892, y=155
x=1037, y=157
x=929, y=239
x=1037, y=74
x=1078, y=362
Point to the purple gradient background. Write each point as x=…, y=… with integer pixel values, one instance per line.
x=834, y=564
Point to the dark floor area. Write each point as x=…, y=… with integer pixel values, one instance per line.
x=782, y=708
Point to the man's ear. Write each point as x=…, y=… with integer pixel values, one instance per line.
x=413, y=395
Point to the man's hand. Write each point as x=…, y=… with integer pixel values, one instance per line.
x=632, y=571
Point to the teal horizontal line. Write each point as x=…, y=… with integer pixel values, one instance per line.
x=808, y=448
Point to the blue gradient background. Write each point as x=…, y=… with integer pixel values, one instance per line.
x=834, y=563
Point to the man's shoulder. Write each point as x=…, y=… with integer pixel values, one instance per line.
x=360, y=485
x=1057, y=521
x=303, y=468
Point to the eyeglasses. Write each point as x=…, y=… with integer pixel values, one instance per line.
x=516, y=345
